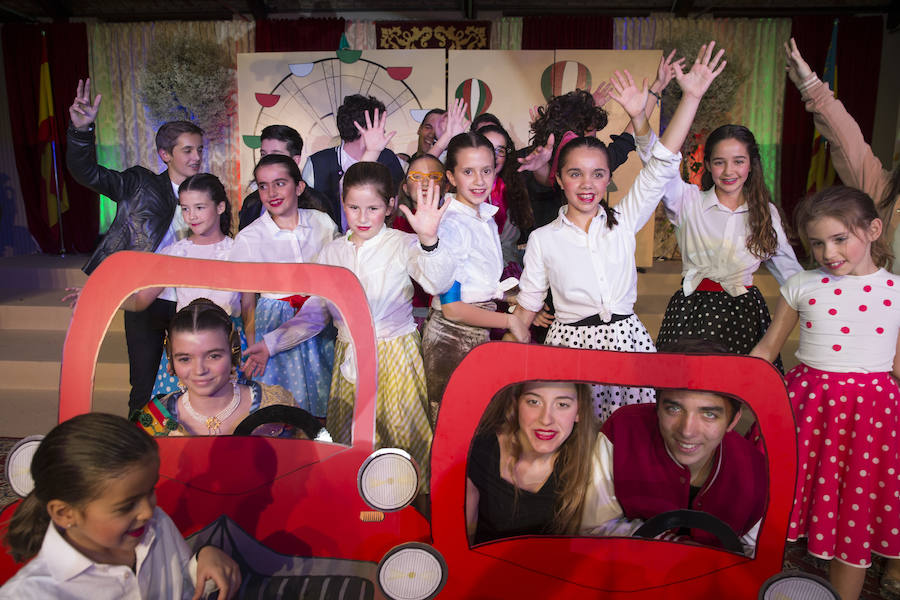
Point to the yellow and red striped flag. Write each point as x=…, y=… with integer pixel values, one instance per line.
x=48, y=136
x=821, y=171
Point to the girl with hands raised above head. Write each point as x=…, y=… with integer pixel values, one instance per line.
x=725, y=232
x=385, y=260
x=586, y=256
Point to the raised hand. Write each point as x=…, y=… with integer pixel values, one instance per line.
x=626, y=93
x=538, y=158
x=83, y=112
x=704, y=70
x=428, y=213
x=796, y=67
x=452, y=123
x=533, y=113
x=666, y=71
x=255, y=359
x=373, y=134
x=72, y=297
x=602, y=93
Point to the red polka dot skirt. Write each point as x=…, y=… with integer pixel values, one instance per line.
x=847, y=498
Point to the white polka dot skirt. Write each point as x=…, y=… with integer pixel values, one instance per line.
x=738, y=322
x=847, y=497
x=627, y=335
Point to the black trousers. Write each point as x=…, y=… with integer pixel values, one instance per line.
x=144, y=335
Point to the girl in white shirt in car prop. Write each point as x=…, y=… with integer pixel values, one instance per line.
x=586, y=255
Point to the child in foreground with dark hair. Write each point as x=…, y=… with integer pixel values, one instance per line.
x=93, y=523
x=844, y=391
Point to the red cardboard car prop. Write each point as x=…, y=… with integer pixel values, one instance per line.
x=293, y=513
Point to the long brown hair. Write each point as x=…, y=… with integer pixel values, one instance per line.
x=762, y=241
x=850, y=206
x=573, y=460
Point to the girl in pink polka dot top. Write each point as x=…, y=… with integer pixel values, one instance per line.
x=844, y=391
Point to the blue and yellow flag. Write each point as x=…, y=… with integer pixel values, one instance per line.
x=821, y=171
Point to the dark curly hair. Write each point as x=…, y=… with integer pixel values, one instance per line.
x=354, y=109
x=516, y=196
x=574, y=111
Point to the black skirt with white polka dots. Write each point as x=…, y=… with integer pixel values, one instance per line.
x=738, y=322
x=626, y=335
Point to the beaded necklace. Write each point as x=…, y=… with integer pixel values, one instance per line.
x=214, y=422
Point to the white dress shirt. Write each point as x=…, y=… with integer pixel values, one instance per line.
x=471, y=236
x=264, y=241
x=229, y=301
x=384, y=265
x=713, y=238
x=164, y=569
x=594, y=272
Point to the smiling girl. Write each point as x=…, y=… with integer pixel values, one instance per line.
x=529, y=464
x=725, y=232
x=463, y=317
x=844, y=391
x=93, y=522
x=203, y=347
x=386, y=261
x=207, y=213
x=586, y=256
x=286, y=234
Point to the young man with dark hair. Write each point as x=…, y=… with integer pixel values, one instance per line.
x=146, y=220
x=681, y=453
x=280, y=139
x=324, y=169
x=428, y=130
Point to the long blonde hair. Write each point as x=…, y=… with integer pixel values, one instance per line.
x=573, y=460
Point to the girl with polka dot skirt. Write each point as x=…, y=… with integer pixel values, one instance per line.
x=286, y=234
x=206, y=211
x=586, y=256
x=844, y=393
x=725, y=232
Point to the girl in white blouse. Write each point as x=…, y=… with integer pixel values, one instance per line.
x=586, y=256
x=385, y=260
x=725, y=233
x=463, y=317
x=286, y=234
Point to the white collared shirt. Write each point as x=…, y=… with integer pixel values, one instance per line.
x=713, y=239
x=471, y=236
x=594, y=272
x=384, y=265
x=264, y=241
x=229, y=301
x=162, y=569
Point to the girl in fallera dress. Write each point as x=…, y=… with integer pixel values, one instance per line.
x=386, y=261
x=286, y=233
x=203, y=347
x=586, y=256
x=844, y=391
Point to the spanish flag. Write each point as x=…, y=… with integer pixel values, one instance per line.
x=48, y=136
x=821, y=171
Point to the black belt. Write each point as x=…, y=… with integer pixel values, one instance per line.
x=595, y=320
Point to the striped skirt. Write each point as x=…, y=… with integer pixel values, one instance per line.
x=401, y=411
